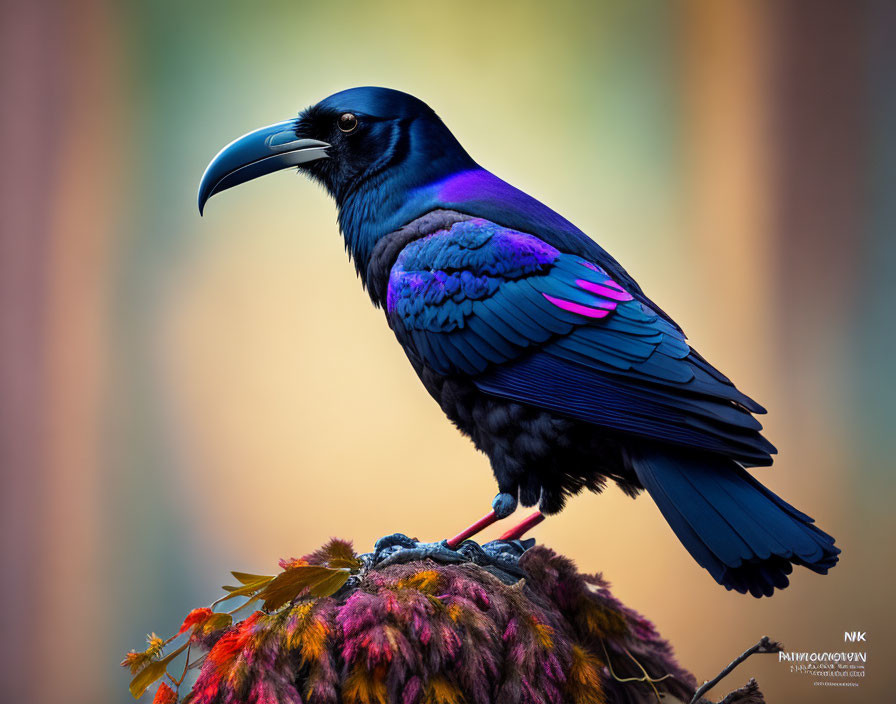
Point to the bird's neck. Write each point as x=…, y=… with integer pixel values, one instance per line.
x=384, y=205
x=368, y=214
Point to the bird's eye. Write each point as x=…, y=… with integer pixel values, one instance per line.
x=347, y=122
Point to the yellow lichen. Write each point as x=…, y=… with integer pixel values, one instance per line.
x=441, y=691
x=363, y=686
x=583, y=682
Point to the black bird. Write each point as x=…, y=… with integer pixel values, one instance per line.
x=535, y=342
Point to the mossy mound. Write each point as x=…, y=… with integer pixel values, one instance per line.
x=337, y=627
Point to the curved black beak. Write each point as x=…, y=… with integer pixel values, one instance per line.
x=255, y=154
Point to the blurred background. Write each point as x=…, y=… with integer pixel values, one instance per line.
x=182, y=396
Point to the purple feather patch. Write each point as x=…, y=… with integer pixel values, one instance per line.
x=609, y=289
x=581, y=309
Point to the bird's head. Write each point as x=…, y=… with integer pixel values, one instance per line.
x=372, y=148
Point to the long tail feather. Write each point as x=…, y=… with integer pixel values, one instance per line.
x=746, y=537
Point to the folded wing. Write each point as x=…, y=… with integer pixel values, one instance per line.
x=530, y=323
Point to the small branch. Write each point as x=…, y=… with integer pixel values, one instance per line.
x=763, y=646
x=186, y=664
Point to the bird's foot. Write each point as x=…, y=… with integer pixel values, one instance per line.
x=503, y=505
x=500, y=557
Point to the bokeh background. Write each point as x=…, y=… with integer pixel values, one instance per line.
x=183, y=396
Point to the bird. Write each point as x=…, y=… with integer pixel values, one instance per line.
x=534, y=341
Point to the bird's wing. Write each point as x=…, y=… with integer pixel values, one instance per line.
x=481, y=194
x=553, y=330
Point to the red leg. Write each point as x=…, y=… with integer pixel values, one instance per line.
x=477, y=527
x=527, y=524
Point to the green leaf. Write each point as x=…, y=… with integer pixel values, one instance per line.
x=246, y=578
x=330, y=584
x=245, y=590
x=152, y=672
x=339, y=553
x=353, y=564
x=319, y=581
x=216, y=622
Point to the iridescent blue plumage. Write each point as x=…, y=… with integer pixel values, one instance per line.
x=532, y=324
x=538, y=344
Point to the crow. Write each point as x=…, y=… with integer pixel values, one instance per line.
x=534, y=341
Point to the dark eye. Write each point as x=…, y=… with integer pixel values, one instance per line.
x=347, y=122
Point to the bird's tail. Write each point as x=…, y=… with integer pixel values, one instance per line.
x=747, y=537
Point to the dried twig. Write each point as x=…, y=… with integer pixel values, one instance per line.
x=763, y=646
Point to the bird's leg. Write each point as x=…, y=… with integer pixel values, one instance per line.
x=473, y=529
x=527, y=524
x=503, y=505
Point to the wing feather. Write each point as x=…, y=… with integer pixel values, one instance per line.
x=550, y=329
